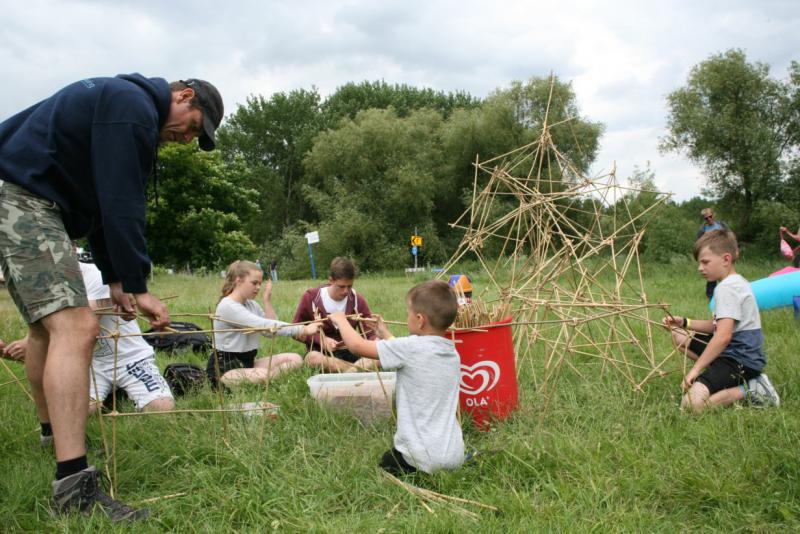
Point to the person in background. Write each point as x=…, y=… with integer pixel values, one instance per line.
x=236, y=352
x=796, y=249
x=319, y=302
x=273, y=270
x=709, y=224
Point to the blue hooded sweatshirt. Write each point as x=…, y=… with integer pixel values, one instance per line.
x=90, y=149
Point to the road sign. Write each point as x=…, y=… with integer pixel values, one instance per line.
x=416, y=240
x=414, y=250
x=312, y=237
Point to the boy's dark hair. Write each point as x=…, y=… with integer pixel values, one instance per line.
x=342, y=269
x=719, y=242
x=436, y=300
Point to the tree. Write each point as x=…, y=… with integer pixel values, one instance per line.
x=378, y=176
x=737, y=123
x=196, y=218
x=533, y=101
x=352, y=98
x=272, y=137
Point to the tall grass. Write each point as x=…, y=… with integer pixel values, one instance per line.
x=602, y=458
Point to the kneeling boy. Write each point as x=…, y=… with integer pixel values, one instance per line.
x=428, y=436
x=728, y=349
x=136, y=369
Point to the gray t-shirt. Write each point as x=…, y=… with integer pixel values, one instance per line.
x=733, y=299
x=428, y=375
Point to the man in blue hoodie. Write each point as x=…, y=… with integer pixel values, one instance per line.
x=77, y=164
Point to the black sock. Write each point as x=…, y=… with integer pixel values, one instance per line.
x=47, y=430
x=70, y=467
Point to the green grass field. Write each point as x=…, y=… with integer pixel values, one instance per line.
x=603, y=457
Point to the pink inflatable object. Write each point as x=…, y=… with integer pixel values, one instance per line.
x=785, y=270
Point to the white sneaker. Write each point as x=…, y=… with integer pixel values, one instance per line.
x=46, y=441
x=761, y=392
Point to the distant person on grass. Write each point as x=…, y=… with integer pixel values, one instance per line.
x=236, y=351
x=796, y=249
x=710, y=224
x=319, y=302
x=727, y=349
x=77, y=164
x=428, y=436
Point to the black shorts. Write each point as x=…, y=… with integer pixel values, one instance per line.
x=699, y=342
x=725, y=373
x=394, y=463
x=228, y=361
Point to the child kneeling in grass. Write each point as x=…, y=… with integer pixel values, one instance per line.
x=428, y=436
x=728, y=349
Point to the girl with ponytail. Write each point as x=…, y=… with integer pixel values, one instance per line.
x=235, y=360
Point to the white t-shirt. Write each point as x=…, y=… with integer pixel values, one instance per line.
x=330, y=304
x=428, y=375
x=130, y=348
x=244, y=315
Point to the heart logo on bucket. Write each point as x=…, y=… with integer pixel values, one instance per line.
x=482, y=376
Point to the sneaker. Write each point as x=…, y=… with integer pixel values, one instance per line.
x=761, y=392
x=46, y=441
x=80, y=492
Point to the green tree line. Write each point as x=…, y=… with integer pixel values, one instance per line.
x=372, y=163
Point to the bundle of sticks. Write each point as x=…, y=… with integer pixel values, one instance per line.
x=474, y=312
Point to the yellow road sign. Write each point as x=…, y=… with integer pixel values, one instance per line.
x=416, y=240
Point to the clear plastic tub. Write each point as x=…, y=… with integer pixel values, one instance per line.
x=363, y=395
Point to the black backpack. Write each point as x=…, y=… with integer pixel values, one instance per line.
x=188, y=337
x=184, y=377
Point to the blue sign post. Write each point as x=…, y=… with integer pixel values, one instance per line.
x=312, y=237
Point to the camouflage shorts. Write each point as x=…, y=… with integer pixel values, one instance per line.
x=41, y=270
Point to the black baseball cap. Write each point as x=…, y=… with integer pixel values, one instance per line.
x=209, y=99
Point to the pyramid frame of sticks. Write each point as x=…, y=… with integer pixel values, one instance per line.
x=561, y=254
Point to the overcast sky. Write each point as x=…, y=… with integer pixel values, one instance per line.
x=622, y=57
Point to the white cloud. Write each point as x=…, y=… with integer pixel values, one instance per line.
x=623, y=56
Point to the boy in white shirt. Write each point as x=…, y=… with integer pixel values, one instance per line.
x=727, y=349
x=428, y=436
x=137, y=372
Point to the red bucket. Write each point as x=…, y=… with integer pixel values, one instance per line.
x=488, y=388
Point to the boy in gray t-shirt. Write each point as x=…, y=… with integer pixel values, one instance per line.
x=428, y=436
x=728, y=349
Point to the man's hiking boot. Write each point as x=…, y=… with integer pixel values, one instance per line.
x=81, y=492
x=761, y=392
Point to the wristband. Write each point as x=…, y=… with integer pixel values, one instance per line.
x=391, y=337
x=685, y=322
x=688, y=324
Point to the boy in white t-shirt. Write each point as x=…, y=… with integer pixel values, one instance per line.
x=727, y=349
x=136, y=369
x=428, y=436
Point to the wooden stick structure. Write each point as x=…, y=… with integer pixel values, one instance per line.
x=561, y=251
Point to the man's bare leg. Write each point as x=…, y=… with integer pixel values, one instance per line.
x=35, y=357
x=72, y=333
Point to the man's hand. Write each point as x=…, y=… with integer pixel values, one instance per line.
x=154, y=309
x=124, y=303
